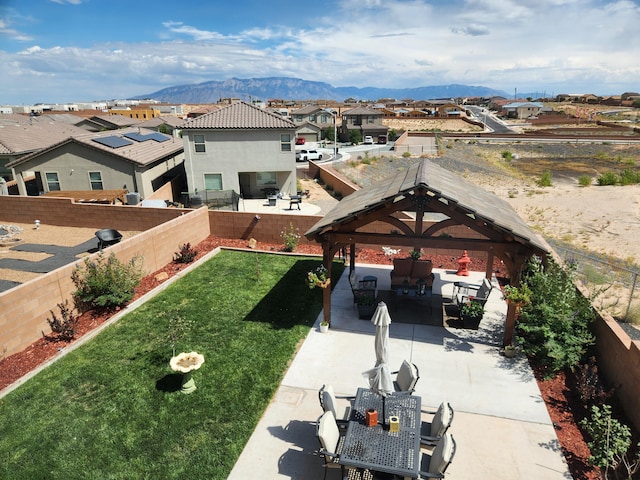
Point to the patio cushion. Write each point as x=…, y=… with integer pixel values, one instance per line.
x=327, y=398
x=407, y=377
x=401, y=269
x=328, y=432
x=441, y=420
x=422, y=271
x=442, y=455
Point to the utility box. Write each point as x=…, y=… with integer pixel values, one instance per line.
x=132, y=198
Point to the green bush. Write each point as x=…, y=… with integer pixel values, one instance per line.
x=629, y=177
x=608, y=178
x=585, y=180
x=290, y=238
x=507, y=155
x=406, y=154
x=553, y=328
x=545, y=179
x=105, y=283
x=66, y=326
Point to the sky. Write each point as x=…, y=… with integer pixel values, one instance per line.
x=57, y=51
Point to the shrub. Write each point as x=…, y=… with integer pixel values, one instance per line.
x=545, y=179
x=610, y=441
x=186, y=254
x=406, y=154
x=507, y=155
x=589, y=385
x=105, y=283
x=585, y=180
x=290, y=238
x=607, y=178
x=553, y=328
x=66, y=326
x=629, y=177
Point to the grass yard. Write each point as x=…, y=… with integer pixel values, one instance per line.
x=111, y=409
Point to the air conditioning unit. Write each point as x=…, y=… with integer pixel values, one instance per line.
x=133, y=198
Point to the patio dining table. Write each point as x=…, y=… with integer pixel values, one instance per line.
x=377, y=448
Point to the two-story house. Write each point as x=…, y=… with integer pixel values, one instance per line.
x=365, y=120
x=242, y=148
x=310, y=121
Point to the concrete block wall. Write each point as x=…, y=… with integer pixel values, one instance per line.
x=25, y=309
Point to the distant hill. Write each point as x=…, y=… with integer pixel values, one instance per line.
x=297, y=89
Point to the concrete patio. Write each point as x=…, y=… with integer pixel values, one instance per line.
x=501, y=425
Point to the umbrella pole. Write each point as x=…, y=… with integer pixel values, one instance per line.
x=384, y=408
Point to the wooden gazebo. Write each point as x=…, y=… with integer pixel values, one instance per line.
x=428, y=207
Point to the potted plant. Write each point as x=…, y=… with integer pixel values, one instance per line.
x=509, y=351
x=324, y=326
x=519, y=296
x=472, y=312
x=318, y=278
x=415, y=254
x=366, y=303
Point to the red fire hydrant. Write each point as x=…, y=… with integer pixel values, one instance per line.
x=463, y=264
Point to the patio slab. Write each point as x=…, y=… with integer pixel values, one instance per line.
x=501, y=424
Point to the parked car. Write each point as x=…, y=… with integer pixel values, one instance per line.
x=368, y=140
x=304, y=155
x=300, y=141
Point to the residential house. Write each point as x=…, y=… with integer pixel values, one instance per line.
x=98, y=123
x=164, y=124
x=364, y=120
x=522, y=110
x=241, y=148
x=133, y=159
x=311, y=120
x=22, y=135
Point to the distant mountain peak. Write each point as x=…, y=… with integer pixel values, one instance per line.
x=288, y=88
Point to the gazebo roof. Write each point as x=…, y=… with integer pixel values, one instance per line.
x=453, y=196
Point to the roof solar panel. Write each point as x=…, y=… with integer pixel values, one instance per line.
x=138, y=137
x=113, y=141
x=158, y=137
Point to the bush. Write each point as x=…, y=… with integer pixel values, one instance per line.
x=290, y=238
x=65, y=327
x=186, y=254
x=608, y=178
x=507, y=155
x=629, y=177
x=585, y=180
x=105, y=283
x=406, y=154
x=545, y=179
x=553, y=328
x=589, y=385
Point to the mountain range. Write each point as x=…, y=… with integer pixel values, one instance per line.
x=298, y=89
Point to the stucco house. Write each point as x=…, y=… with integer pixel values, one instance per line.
x=522, y=110
x=240, y=148
x=365, y=120
x=133, y=159
x=310, y=121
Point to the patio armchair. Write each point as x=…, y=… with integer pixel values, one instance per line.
x=468, y=293
x=331, y=442
x=329, y=402
x=406, y=378
x=401, y=272
x=438, y=426
x=435, y=465
x=422, y=273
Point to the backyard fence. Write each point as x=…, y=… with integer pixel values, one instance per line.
x=613, y=285
x=213, y=199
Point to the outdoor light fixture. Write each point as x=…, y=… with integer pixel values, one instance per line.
x=37, y=222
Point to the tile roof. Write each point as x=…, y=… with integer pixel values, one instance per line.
x=362, y=111
x=139, y=152
x=307, y=110
x=240, y=116
x=23, y=138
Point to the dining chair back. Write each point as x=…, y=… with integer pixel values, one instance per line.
x=407, y=377
x=435, y=465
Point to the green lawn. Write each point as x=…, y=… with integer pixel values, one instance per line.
x=110, y=409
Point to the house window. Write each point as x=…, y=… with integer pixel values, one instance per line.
x=298, y=118
x=264, y=179
x=313, y=118
x=324, y=119
x=95, y=178
x=213, y=181
x=198, y=141
x=285, y=142
x=53, y=183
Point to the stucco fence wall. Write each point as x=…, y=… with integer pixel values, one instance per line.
x=25, y=308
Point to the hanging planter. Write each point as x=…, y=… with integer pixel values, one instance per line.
x=318, y=278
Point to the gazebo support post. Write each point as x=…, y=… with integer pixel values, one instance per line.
x=512, y=311
x=326, y=292
x=352, y=258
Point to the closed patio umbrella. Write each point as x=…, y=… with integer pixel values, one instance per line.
x=380, y=380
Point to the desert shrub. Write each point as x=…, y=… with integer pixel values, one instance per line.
x=64, y=327
x=355, y=137
x=186, y=254
x=629, y=177
x=406, y=154
x=545, y=179
x=585, y=180
x=105, y=282
x=553, y=328
x=607, y=178
x=507, y=155
x=290, y=238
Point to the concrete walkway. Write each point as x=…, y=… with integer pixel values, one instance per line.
x=501, y=425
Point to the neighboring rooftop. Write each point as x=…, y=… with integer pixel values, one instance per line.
x=239, y=115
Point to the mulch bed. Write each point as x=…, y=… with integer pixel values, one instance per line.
x=561, y=402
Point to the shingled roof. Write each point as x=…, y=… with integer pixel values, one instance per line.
x=440, y=185
x=239, y=116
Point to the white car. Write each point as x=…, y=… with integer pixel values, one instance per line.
x=304, y=155
x=368, y=140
